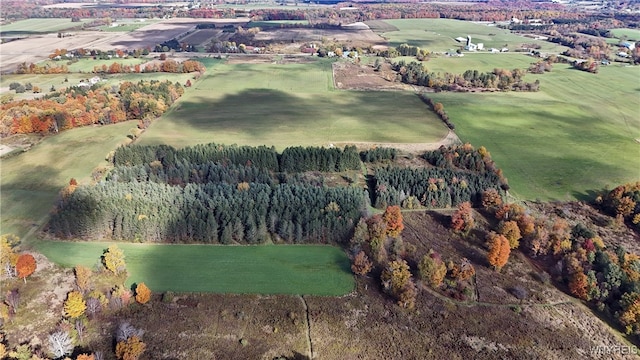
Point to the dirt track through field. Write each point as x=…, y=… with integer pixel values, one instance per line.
x=306, y=311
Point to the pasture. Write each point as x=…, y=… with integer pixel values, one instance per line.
x=440, y=35
x=631, y=34
x=577, y=135
x=32, y=180
x=481, y=61
x=287, y=105
x=267, y=269
x=39, y=26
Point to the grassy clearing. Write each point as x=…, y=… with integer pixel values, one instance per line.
x=288, y=105
x=440, y=34
x=39, y=26
x=269, y=269
x=31, y=181
x=631, y=34
x=577, y=135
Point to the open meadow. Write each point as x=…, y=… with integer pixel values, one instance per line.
x=32, y=180
x=440, y=34
x=266, y=269
x=630, y=34
x=287, y=105
x=481, y=61
x=579, y=134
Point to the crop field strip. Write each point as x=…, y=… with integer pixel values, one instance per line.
x=440, y=34
x=266, y=269
x=288, y=105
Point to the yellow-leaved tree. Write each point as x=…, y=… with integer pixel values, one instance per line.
x=113, y=260
x=74, y=306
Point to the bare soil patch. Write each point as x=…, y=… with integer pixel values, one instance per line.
x=351, y=76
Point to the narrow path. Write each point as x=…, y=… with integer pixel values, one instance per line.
x=306, y=311
x=481, y=303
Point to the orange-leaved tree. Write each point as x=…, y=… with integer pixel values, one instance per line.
x=361, y=264
x=130, y=349
x=393, y=218
x=462, y=219
x=143, y=293
x=25, y=266
x=499, y=250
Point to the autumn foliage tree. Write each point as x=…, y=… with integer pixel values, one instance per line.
x=396, y=279
x=83, y=277
x=113, y=260
x=25, y=266
x=130, y=349
x=75, y=305
x=143, y=293
x=491, y=199
x=462, y=219
x=361, y=264
x=432, y=269
x=511, y=231
x=8, y=256
x=393, y=218
x=499, y=250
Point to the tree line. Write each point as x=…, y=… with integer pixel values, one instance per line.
x=77, y=106
x=292, y=159
x=415, y=73
x=246, y=213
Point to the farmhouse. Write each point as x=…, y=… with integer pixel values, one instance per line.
x=473, y=47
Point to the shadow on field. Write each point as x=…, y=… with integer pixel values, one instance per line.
x=28, y=194
x=263, y=112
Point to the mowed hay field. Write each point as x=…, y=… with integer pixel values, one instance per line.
x=288, y=105
x=579, y=134
x=266, y=269
x=440, y=34
x=31, y=180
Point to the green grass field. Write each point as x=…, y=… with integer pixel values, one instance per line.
x=268, y=269
x=579, y=134
x=440, y=34
x=39, y=26
x=631, y=34
x=31, y=181
x=482, y=62
x=287, y=105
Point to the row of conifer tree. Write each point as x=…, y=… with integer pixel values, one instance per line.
x=237, y=194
